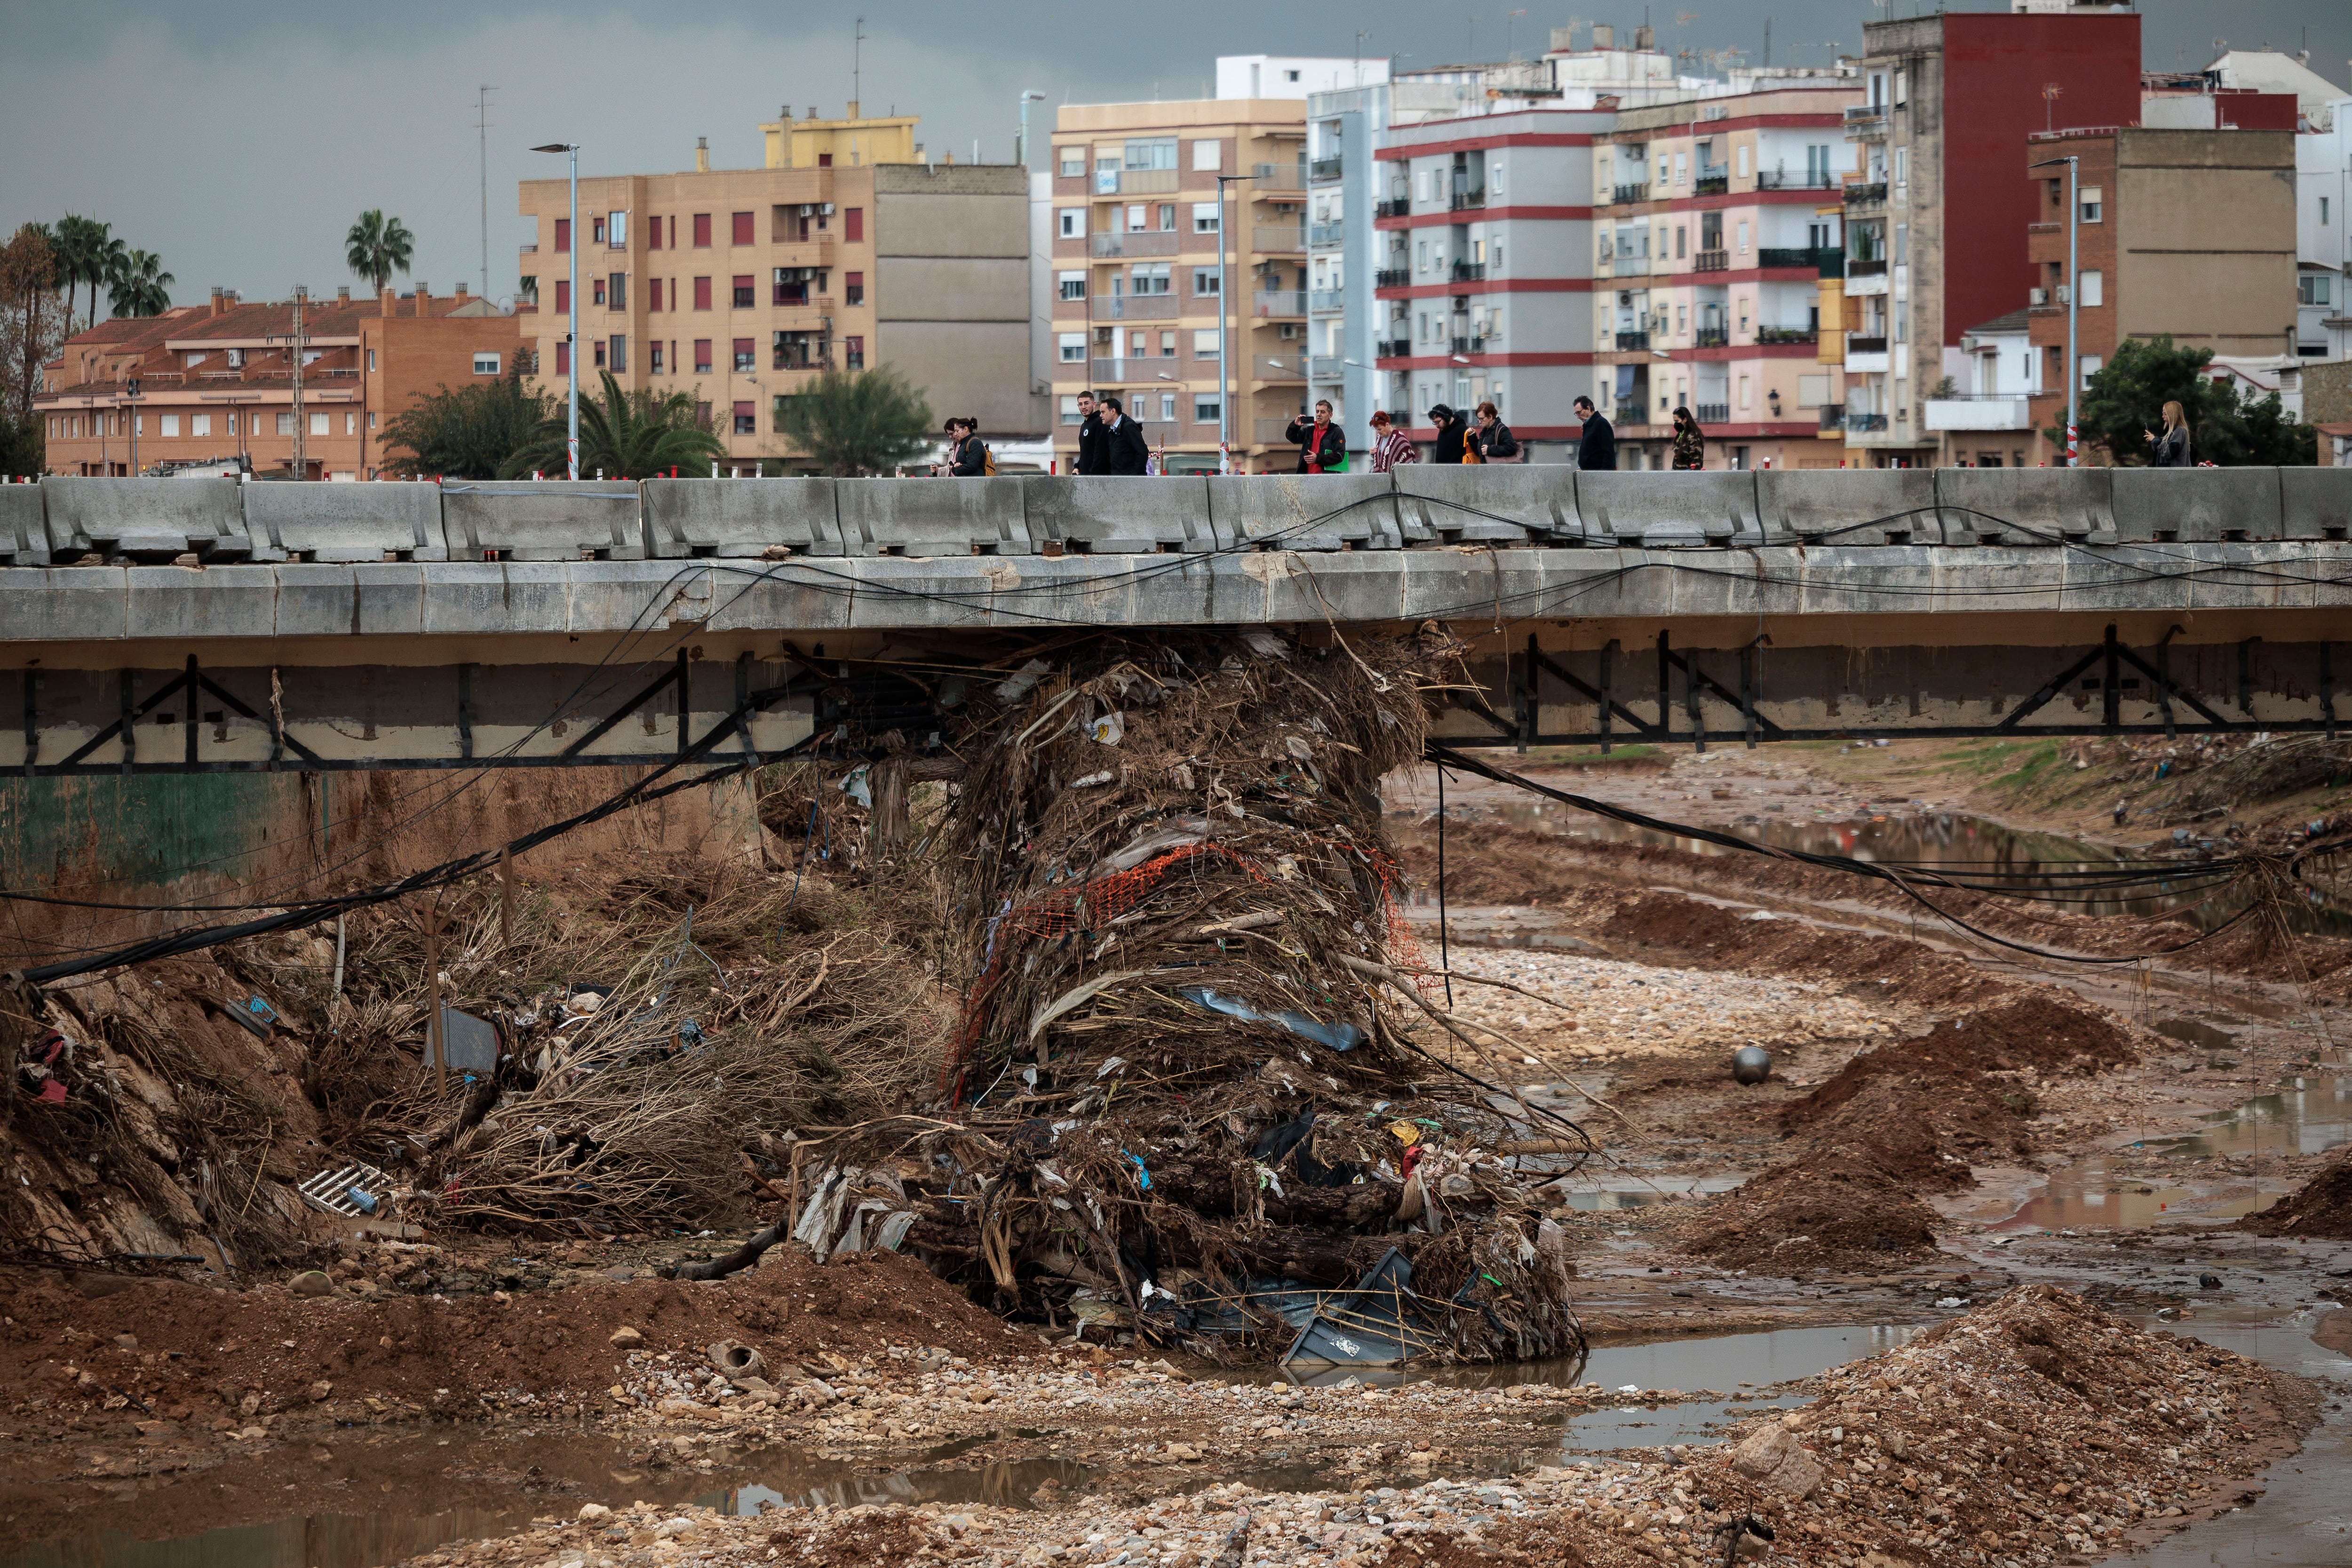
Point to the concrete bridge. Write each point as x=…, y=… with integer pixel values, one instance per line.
x=201, y=625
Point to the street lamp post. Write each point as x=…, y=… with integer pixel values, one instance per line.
x=1224, y=308
x=572, y=338
x=2073, y=295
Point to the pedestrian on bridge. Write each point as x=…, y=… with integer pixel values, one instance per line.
x=1690, y=442
x=1124, y=450
x=1492, y=439
x=1090, y=438
x=1597, y=448
x=1390, y=446
x=2169, y=450
x=1453, y=433
x=1322, y=444
x=968, y=455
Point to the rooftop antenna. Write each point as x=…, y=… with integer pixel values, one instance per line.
x=1768, y=43
x=2051, y=92
x=482, y=135
x=858, y=60
x=1510, y=23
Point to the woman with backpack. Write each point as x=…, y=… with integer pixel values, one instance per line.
x=968, y=455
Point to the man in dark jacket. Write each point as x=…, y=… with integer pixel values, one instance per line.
x=1598, y=448
x=1090, y=435
x=1124, y=450
x=1322, y=446
x=1451, y=431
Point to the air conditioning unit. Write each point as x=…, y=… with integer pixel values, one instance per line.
x=808, y=209
x=2037, y=295
x=826, y=207
x=1290, y=330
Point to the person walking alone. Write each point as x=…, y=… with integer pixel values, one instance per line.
x=1322, y=446
x=1125, y=453
x=1597, y=448
x=2170, y=450
x=1690, y=442
x=1390, y=446
x=967, y=453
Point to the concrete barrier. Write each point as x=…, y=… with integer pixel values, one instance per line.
x=932, y=517
x=1487, y=503
x=2204, y=506
x=347, y=523
x=23, y=526
x=1686, y=509
x=542, y=519
x=2025, y=506
x=1846, y=506
x=740, y=519
x=2315, y=503
x=1121, y=516
x=1305, y=512
x=151, y=518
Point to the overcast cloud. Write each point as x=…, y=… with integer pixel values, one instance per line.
x=239, y=140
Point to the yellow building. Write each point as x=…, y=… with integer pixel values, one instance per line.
x=846, y=143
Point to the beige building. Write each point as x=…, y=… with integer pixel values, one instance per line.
x=1145, y=252
x=739, y=285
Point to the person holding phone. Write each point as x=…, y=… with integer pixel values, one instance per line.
x=1322, y=444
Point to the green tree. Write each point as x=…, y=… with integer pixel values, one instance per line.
x=139, y=287
x=2126, y=399
x=466, y=434
x=32, y=325
x=377, y=246
x=849, y=423
x=88, y=253
x=635, y=434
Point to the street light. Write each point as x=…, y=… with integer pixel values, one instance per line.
x=2073, y=292
x=1224, y=307
x=571, y=338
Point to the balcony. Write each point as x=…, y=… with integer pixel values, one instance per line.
x=1833, y=417
x=1392, y=277
x=1712, y=413
x=1779, y=180
x=1323, y=169
x=1712, y=261
x=1148, y=242
x=1278, y=302
x=1856, y=343
x=1278, y=238
x=1135, y=183
x=532, y=249
x=1712, y=337
x=1281, y=367
x=1395, y=206
x=1276, y=177
x=1786, y=335
x=1136, y=370
x=1489, y=342
x=1133, y=308
x=1715, y=181
x=1321, y=300
x=1460, y=346
x=1467, y=201
x=1467, y=272
x=1319, y=234
x=1637, y=192
x=1865, y=267
x=1629, y=341
x=1393, y=348
x=1801, y=256
x=1864, y=424
x=1870, y=195
x=1986, y=411
x=1865, y=114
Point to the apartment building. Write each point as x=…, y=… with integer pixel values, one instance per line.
x=1169, y=219
x=1935, y=215
x=2322, y=175
x=741, y=286
x=1485, y=269
x=2185, y=234
x=1712, y=241
x=214, y=383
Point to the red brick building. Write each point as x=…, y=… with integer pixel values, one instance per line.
x=216, y=381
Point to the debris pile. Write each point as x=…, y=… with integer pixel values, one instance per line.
x=2321, y=1206
x=1182, y=1101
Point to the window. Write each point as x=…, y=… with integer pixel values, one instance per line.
x=1494, y=184
x=1204, y=342
x=1206, y=281
x=2094, y=288
x=596, y=290
x=1206, y=408
x=598, y=344
x=1743, y=167
x=853, y=288
x=1682, y=168
x=1902, y=165
x=616, y=231
x=563, y=359
x=702, y=294
x=619, y=360
x=2093, y=199
x=485, y=364
x=170, y=424
x=1149, y=277
x=653, y=235
x=563, y=295
x=740, y=229
x=702, y=231
x=596, y=230
x=1073, y=222
x=1073, y=285
x=1421, y=256
x=1208, y=156
x=2091, y=363
x=1069, y=400
x=1167, y=405
x=1743, y=239
x=1168, y=345
x=1205, y=217
x=741, y=287
x=1071, y=162
x=702, y=357
x=562, y=235
x=2323, y=211
x=853, y=353
x=285, y=424
x=2311, y=288
x=1073, y=346
x=617, y=295
x=653, y=294
x=1681, y=233
x=853, y=225
x=654, y=357
x=319, y=426
x=744, y=351
x=200, y=424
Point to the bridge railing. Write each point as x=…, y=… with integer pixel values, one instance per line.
x=68, y=520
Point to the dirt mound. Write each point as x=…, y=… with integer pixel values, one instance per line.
x=1830, y=1207
x=2321, y=1206
x=196, y=1350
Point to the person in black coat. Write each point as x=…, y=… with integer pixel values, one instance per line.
x=1452, y=430
x=1124, y=449
x=1598, y=448
x=967, y=453
x=1322, y=446
x=1089, y=436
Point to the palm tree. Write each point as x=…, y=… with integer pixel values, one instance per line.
x=88, y=253
x=858, y=422
x=635, y=434
x=466, y=434
x=377, y=246
x=139, y=287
